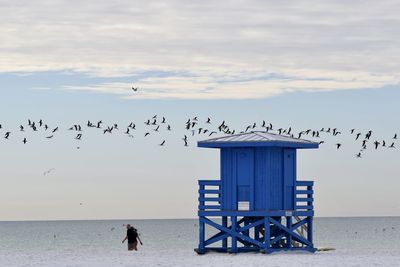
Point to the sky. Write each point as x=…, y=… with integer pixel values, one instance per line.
x=295, y=64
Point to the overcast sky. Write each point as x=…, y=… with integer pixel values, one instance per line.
x=307, y=65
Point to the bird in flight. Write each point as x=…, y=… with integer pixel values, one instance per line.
x=338, y=145
x=162, y=143
x=24, y=141
x=376, y=143
x=134, y=89
x=48, y=171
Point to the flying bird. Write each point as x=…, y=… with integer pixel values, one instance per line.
x=134, y=89
x=48, y=171
x=162, y=143
x=376, y=143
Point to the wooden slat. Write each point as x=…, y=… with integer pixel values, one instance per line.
x=304, y=183
x=209, y=182
x=209, y=199
x=309, y=207
x=210, y=191
x=209, y=207
x=304, y=199
x=307, y=192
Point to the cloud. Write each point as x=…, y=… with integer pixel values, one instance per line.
x=206, y=49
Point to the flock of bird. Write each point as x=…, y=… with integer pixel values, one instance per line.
x=206, y=128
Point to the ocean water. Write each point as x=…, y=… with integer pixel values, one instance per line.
x=368, y=241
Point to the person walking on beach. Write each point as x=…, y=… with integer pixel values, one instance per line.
x=132, y=236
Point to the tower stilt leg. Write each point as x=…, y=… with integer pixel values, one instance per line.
x=234, y=238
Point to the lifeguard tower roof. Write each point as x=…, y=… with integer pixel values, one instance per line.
x=257, y=139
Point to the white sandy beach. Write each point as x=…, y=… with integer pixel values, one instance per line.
x=188, y=258
x=358, y=242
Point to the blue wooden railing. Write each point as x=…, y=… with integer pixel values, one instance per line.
x=304, y=195
x=209, y=195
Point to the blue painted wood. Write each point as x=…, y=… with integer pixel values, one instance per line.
x=209, y=207
x=289, y=177
x=307, y=207
x=261, y=198
x=234, y=237
x=275, y=177
x=289, y=236
x=267, y=234
x=310, y=229
x=216, y=199
x=245, y=174
x=216, y=238
x=225, y=224
x=201, y=235
x=304, y=183
x=255, y=213
x=210, y=182
x=299, y=223
x=210, y=191
x=304, y=199
x=290, y=232
x=304, y=192
x=265, y=176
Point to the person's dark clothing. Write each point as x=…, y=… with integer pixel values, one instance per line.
x=132, y=235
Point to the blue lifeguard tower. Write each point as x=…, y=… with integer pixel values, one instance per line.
x=258, y=204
